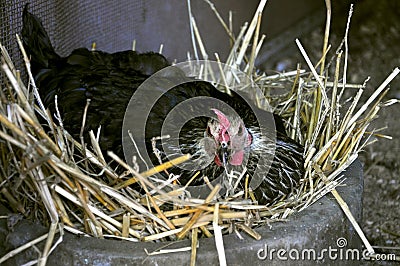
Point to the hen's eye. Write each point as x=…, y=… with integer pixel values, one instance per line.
x=209, y=131
x=240, y=131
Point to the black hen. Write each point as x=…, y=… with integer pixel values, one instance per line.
x=220, y=144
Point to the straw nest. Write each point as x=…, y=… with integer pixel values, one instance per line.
x=43, y=178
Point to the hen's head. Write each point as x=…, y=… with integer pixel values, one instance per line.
x=231, y=138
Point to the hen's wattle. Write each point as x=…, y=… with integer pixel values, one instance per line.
x=218, y=144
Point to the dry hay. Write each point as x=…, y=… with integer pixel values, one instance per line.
x=41, y=177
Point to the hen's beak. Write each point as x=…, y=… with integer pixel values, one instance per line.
x=223, y=153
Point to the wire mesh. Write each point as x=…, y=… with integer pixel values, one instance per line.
x=11, y=24
x=113, y=25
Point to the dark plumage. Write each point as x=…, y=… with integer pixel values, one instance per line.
x=109, y=81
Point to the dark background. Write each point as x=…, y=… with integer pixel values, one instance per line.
x=374, y=51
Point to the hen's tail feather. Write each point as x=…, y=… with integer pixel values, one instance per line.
x=37, y=42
